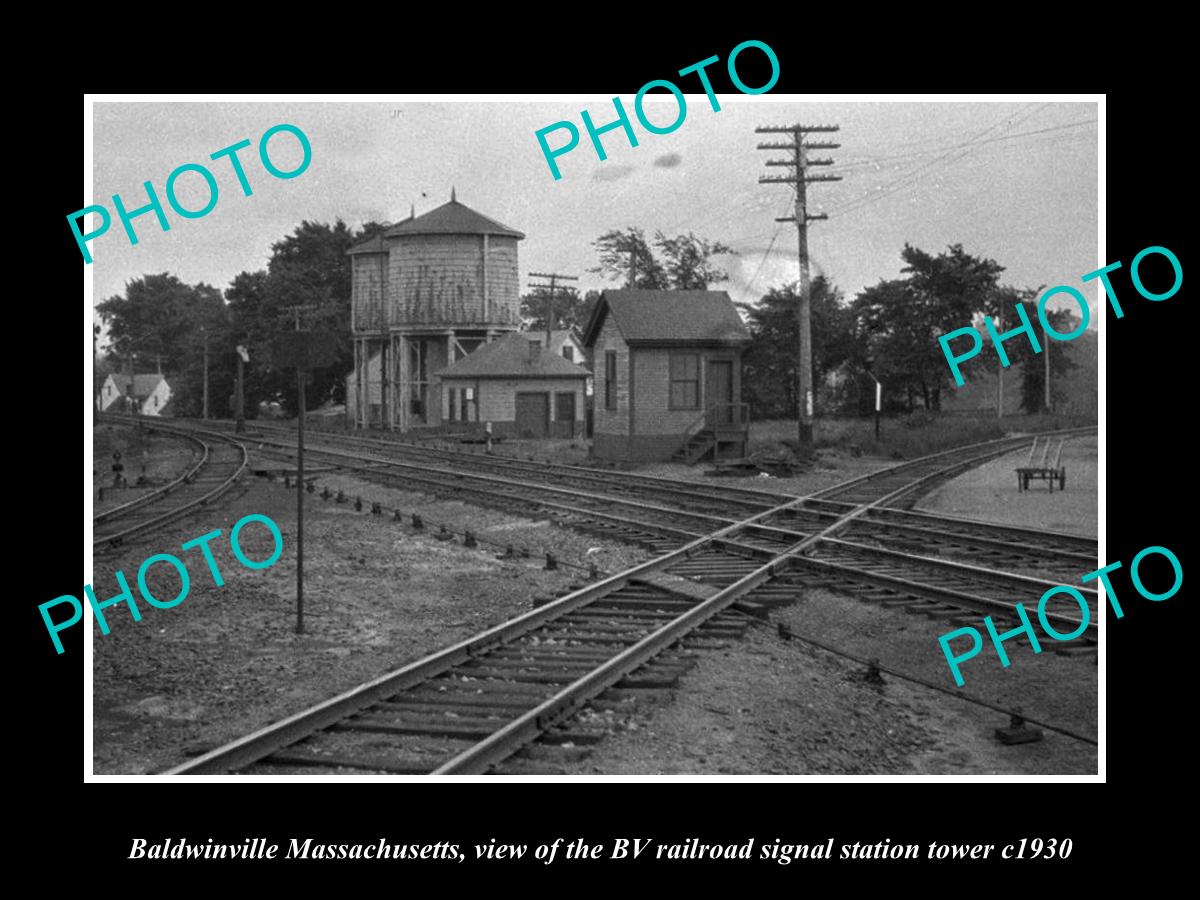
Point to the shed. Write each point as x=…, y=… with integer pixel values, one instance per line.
x=668, y=375
x=522, y=389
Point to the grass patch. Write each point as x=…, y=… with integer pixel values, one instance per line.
x=906, y=437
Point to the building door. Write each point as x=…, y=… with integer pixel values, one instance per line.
x=564, y=414
x=533, y=415
x=718, y=392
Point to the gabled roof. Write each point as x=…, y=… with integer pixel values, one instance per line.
x=143, y=385
x=452, y=218
x=669, y=317
x=558, y=337
x=512, y=357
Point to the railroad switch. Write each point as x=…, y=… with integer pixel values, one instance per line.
x=509, y=552
x=417, y=524
x=287, y=481
x=396, y=517
x=443, y=534
x=325, y=495
x=376, y=509
x=469, y=540
x=1018, y=731
x=358, y=504
x=784, y=631
x=551, y=562
x=310, y=486
x=593, y=573
x=341, y=497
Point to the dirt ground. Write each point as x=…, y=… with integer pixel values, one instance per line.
x=226, y=660
x=993, y=487
x=769, y=705
x=156, y=458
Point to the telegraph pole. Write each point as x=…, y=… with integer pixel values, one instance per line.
x=799, y=163
x=554, y=279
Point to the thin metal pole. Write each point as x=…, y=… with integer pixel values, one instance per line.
x=300, y=504
x=1046, y=353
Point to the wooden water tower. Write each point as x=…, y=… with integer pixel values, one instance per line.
x=424, y=294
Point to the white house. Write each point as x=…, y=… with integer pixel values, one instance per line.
x=563, y=342
x=150, y=392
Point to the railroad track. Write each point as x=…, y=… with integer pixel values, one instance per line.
x=549, y=676
x=221, y=462
x=661, y=513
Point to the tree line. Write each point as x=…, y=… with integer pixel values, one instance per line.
x=888, y=331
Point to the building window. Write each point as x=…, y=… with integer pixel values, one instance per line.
x=685, y=381
x=453, y=412
x=568, y=353
x=610, y=379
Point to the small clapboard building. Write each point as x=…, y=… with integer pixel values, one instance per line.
x=524, y=390
x=668, y=375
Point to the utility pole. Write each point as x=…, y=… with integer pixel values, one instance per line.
x=550, y=288
x=800, y=178
x=96, y=388
x=204, y=407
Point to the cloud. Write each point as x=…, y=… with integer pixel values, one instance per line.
x=611, y=173
x=668, y=160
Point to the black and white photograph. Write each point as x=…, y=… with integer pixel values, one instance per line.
x=678, y=435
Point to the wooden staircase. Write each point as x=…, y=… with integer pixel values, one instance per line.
x=697, y=446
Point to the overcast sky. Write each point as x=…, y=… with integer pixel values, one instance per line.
x=1014, y=181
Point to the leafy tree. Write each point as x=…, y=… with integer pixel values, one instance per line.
x=619, y=250
x=1020, y=352
x=899, y=321
x=161, y=321
x=308, y=268
x=571, y=310
x=252, y=327
x=769, y=364
x=683, y=262
x=688, y=261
